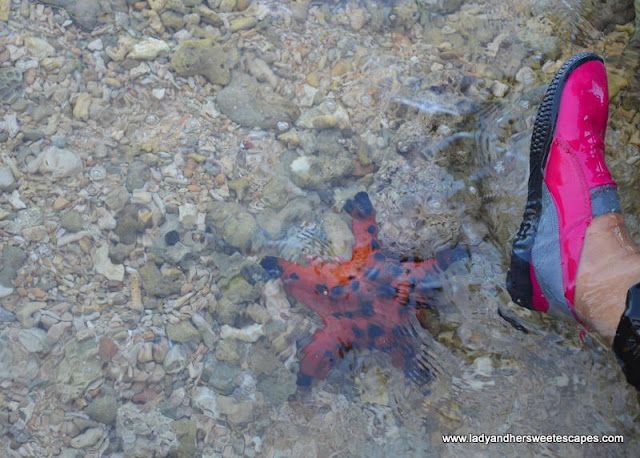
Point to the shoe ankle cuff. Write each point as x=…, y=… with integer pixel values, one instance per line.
x=604, y=199
x=626, y=343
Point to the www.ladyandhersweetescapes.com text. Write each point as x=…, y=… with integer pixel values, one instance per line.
x=532, y=438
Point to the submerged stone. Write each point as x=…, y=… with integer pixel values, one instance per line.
x=252, y=104
x=202, y=57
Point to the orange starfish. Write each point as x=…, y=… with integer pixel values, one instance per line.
x=365, y=301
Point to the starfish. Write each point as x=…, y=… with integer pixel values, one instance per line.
x=364, y=302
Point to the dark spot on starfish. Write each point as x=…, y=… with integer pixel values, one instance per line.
x=387, y=291
x=357, y=331
x=348, y=314
x=397, y=270
x=366, y=308
x=272, y=268
x=329, y=354
x=355, y=285
x=375, y=246
x=374, y=331
x=337, y=315
x=352, y=277
x=294, y=276
x=336, y=290
x=371, y=229
x=373, y=273
x=322, y=289
x=360, y=206
x=378, y=256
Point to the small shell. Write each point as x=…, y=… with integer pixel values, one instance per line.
x=97, y=173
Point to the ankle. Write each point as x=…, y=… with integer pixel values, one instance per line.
x=609, y=266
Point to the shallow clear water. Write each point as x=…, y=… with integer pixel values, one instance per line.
x=147, y=184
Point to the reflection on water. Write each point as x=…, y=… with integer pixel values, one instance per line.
x=153, y=152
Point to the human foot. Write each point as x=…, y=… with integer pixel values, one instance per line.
x=609, y=266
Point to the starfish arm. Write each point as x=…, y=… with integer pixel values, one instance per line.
x=327, y=346
x=364, y=227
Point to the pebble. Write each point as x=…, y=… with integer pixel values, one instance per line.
x=87, y=439
x=183, y=331
x=7, y=180
x=249, y=333
x=72, y=221
x=237, y=412
x=39, y=47
x=499, y=89
x=103, y=265
x=202, y=57
x=95, y=45
x=103, y=409
x=253, y=104
x=81, y=106
x=175, y=359
x=33, y=339
x=206, y=400
x=60, y=163
x=526, y=76
x=148, y=49
x=326, y=115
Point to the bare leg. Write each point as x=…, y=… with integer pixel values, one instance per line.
x=609, y=266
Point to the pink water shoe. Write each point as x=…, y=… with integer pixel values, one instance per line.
x=569, y=185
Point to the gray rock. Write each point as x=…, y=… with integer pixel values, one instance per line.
x=317, y=173
x=10, y=82
x=103, y=409
x=183, y=331
x=238, y=412
x=440, y=6
x=12, y=259
x=117, y=199
x=145, y=432
x=228, y=350
x=6, y=315
x=120, y=252
x=89, y=438
x=233, y=223
x=155, y=283
x=60, y=163
x=137, y=175
x=72, y=221
x=252, y=104
x=32, y=134
x=176, y=359
x=80, y=366
x=220, y=375
x=7, y=181
x=103, y=265
x=278, y=387
x=205, y=400
x=128, y=226
x=83, y=12
x=59, y=141
x=186, y=432
x=34, y=339
x=202, y=57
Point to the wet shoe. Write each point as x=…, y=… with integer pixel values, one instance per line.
x=569, y=185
